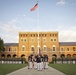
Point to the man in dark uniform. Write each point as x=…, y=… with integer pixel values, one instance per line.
x=45, y=61
x=39, y=62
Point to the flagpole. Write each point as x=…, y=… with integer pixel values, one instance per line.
x=38, y=26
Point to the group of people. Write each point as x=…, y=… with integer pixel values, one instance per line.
x=38, y=62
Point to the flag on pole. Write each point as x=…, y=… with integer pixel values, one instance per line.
x=35, y=6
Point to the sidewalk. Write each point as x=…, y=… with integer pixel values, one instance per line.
x=26, y=71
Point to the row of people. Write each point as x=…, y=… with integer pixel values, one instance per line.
x=38, y=62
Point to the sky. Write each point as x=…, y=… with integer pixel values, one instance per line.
x=51, y=15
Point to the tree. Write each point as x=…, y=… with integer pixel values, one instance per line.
x=1, y=45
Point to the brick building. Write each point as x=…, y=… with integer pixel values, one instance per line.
x=35, y=42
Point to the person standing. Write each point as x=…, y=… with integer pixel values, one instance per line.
x=35, y=62
x=39, y=67
x=45, y=61
x=42, y=62
x=45, y=58
x=30, y=62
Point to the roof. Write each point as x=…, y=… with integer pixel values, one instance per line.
x=10, y=44
x=67, y=43
x=60, y=43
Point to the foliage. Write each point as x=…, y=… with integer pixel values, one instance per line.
x=1, y=45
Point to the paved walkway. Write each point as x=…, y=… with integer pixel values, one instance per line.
x=26, y=71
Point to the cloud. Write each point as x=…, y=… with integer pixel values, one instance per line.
x=9, y=31
x=10, y=26
x=61, y=3
x=68, y=34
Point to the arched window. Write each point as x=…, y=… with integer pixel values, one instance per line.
x=54, y=48
x=32, y=48
x=69, y=55
x=8, y=56
x=22, y=55
x=14, y=55
x=9, y=49
x=62, y=49
x=74, y=55
x=54, y=55
x=44, y=48
x=23, y=48
x=2, y=56
x=62, y=55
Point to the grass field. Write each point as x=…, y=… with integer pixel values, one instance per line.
x=68, y=69
x=7, y=68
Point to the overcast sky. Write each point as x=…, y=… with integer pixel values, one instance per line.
x=54, y=15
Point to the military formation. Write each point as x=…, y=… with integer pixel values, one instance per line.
x=38, y=62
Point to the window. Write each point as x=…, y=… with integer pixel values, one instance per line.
x=45, y=34
x=23, y=48
x=9, y=49
x=31, y=35
x=32, y=48
x=23, y=40
x=34, y=35
x=32, y=39
x=20, y=35
x=26, y=35
x=42, y=34
x=14, y=49
x=74, y=49
x=39, y=39
x=62, y=49
x=44, y=39
x=54, y=48
x=45, y=49
x=39, y=34
x=68, y=49
x=23, y=35
x=52, y=34
x=55, y=34
x=51, y=39
x=54, y=39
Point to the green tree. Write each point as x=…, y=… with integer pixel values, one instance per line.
x=1, y=45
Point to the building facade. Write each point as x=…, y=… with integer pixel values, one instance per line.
x=39, y=42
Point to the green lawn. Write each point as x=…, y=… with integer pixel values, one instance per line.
x=68, y=69
x=7, y=68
